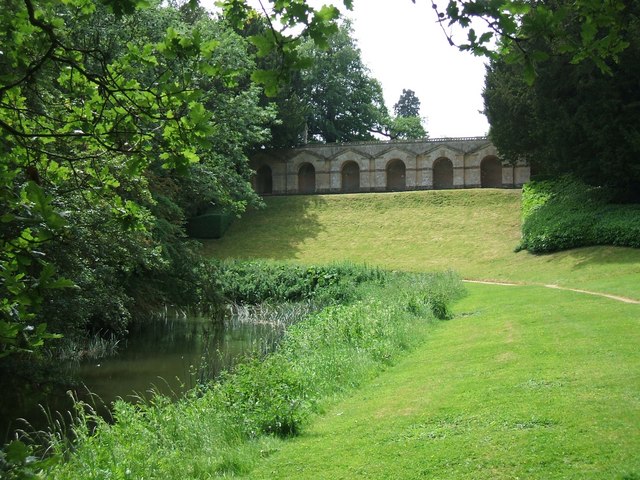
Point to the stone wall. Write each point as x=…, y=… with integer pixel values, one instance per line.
x=470, y=162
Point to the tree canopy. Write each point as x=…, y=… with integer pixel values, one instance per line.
x=345, y=101
x=408, y=105
x=583, y=30
x=407, y=124
x=575, y=118
x=333, y=99
x=113, y=128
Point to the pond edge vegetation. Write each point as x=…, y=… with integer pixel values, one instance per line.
x=226, y=426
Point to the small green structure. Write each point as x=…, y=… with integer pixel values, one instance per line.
x=211, y=224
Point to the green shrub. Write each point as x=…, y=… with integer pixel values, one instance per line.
x=564, y=213
x=211, y=224
x=258, y=281
x=264, y=397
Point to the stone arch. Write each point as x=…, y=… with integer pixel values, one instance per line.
x=306, y=178
x=264, y=180
x=396, y=175
x=350, y=177
x=442, y=173
x=491, y=172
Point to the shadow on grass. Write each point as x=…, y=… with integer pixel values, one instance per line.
x=598, y=256
x=276, y=232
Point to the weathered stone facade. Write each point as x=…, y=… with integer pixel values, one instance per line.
x=386, y=166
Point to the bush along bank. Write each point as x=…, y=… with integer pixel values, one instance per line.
x=224, y=428
x=252, y=282
x=565, y=213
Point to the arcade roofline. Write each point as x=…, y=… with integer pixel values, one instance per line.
x=394, y=142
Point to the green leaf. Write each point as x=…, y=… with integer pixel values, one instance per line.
x=197, y=113
x=8, y=331
x=588, y=31
x=529, y=72
x=190, y=156
x=264, y=43
x=539, y=56
x=485, y=37
x=517, y=8
x=269, y=79
x=327, y=13
x=16, y=452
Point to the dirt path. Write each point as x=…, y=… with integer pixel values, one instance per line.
x=557, y=287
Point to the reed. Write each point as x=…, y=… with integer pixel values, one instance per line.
x=77, y=350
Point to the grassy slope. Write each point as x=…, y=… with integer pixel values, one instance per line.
x=473, y=232
x=526, y=382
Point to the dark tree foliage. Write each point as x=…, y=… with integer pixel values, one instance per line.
x=345, y=103
x=113, y=129
x=290, y=101
x=575, y=118
x=329, y=96
x=408, y=104
x=592, y=31
x=407, y=124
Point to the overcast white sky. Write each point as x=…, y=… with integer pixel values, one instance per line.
x=404, y=47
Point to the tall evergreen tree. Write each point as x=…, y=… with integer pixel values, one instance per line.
x=574, y=119
x=407, y=124
x=408, y=104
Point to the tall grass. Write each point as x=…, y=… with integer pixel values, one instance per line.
x=224, y=428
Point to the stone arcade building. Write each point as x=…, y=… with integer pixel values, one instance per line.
x=427, y=164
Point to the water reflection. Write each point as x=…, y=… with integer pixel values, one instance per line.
x=168, y=355
x=171, y=356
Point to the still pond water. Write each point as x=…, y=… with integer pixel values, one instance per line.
x=169, y=355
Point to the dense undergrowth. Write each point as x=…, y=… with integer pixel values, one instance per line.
x=563, y=214
x=223, y=428
x=259, y=281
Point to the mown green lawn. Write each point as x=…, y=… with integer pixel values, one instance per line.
x=524, y=382
x=471, y=231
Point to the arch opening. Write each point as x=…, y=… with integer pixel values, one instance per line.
x=491, y=172
x=306, y=178
x=264, y=180
x=396, y=175
x=350, y=177
x=442, y=173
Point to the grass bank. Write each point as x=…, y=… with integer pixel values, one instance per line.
x=473, y=232
x=525, y=382
x=225, y=428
